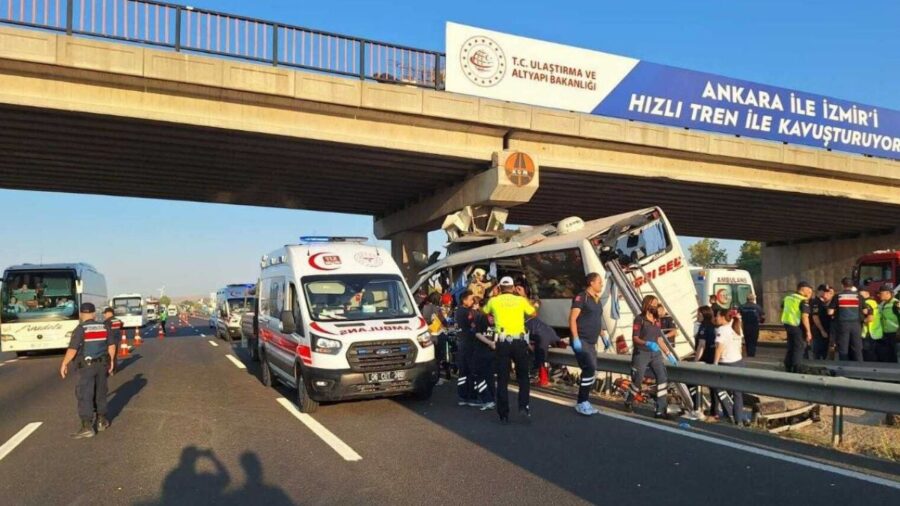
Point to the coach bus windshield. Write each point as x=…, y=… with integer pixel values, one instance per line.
x=35, y=296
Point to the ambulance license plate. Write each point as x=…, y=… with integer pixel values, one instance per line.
x=386, y=376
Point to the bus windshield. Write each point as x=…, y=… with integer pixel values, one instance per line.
x=357, y=297
x=130, y=306
x=35, y=296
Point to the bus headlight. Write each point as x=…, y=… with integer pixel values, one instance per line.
x=325, y=345
x=6, y=338
x=425, y=339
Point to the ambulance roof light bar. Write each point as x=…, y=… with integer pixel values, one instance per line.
x=310, y=239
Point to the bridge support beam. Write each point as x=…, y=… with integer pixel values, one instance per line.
x=821, y=261
x=405, y=246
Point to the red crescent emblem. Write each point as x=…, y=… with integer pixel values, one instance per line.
x=314, y=262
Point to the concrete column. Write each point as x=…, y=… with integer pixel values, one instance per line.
x=783, y=266
x=403, y=245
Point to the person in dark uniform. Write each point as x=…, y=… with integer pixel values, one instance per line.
x=849, y=311
x=483, y=359
x=649, y=349
x=542, y=336
x=465, y=349
x=586, y=326
x=821, y=321
x=93, y=350
x=113, y=327
x=752, y=316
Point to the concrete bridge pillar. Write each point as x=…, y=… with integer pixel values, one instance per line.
x=826, y=261
x=404, y=246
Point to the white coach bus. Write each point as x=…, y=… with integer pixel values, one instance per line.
x=39, y=304
x=129, y=309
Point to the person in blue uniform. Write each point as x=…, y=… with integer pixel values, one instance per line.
x=465, y=350
x=752, y=315
x=93, y=350
x=848, y=310
x=586, y=326
x=113, y=327
x=650, y=348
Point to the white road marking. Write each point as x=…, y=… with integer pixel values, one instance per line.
x=324, y=434
x=11, y=361
x=16, y=440
x=235, y=361
x=202, y=334
x=734, y=446
x=215, y=344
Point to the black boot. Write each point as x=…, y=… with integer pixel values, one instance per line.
x=102, y=423
x=86, y=430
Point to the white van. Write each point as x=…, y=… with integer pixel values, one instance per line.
x=337, y=321
x=551, y=262
x=730, y=286
x=39, y=304
x=231, y=303
x=129, y=309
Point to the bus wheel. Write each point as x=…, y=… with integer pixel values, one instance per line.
x=304, y=401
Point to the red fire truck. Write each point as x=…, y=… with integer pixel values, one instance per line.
x=877, y=268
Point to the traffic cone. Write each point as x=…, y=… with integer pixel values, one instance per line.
x=123, y=346
x=543, y=376
x=162, y=333
x=138, y=341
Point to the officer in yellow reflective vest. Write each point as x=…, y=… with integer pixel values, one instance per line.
x=889, y=311
x=795, y=317
x=871, y=327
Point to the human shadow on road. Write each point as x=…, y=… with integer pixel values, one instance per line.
x=122, y=395
x=186, y=484
x=121, y=365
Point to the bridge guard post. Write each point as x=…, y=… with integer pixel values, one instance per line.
x=837, y=425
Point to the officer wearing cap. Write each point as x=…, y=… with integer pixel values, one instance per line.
x=113, y=327
x=795, y=317
x=509, y=310
x=92, y=349
x=849, y=310
x=889, y=309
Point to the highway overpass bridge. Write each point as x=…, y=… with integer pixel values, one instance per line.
x=84, y=115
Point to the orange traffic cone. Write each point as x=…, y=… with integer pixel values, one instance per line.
x=123, y=346
x=162, y=332
x=543, y=376
x=138, y=341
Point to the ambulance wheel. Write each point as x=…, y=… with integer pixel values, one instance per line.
x=304, y=401
x=21, y=353
x=254, y=350
x=424, y=394
x=266, y=372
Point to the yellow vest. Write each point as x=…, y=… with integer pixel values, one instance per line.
x=791, y=314
x=889, y=321
x=873, y=329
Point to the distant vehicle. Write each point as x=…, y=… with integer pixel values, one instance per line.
x=337, y=321
x=551, y=261
x=730, y=286
x=231, y=302
x=173, y=310
x=129, y=309
x=878, y=268
x=151, y=310
x=39, y=304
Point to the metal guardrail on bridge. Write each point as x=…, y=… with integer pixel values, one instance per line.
x=831, y=391
x=185, y=28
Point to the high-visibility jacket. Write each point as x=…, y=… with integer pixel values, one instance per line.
x=890, y=322
x=791, y=314
x=873, y=328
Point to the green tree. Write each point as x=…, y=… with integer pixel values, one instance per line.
x=165, y=301
x=750, y=259
x=707, y=253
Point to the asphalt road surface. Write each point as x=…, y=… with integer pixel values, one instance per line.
x=192, y=426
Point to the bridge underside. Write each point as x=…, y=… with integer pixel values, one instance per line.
x=62, y=151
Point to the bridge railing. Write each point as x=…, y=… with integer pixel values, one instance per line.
x=193, y=29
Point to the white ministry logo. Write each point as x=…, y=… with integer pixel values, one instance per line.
x=483, y=61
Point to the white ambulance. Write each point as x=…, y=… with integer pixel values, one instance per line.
x=232, y=302
x=551, y=262
x=730, y=286
x=337, y=321
x=39, y=304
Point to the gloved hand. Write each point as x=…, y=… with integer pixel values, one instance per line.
x=653, y=346
x=576, y=345
x=671, y=358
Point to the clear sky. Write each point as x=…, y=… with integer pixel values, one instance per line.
x=827, y=47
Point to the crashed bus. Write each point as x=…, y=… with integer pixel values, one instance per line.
x=552, y=260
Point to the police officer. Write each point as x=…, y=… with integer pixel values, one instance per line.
x=92, y=349
x=752, y=316
x=871, y=329
x=889, y=308
x=821, y=321
x=483, y=359
x=795, y=317
x=509, y=311
x=113, y=327
x=163, y=316
x=586, y=326
x=849, y=310
x=649, y=348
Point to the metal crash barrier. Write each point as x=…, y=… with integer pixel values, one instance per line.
x=839, y=392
